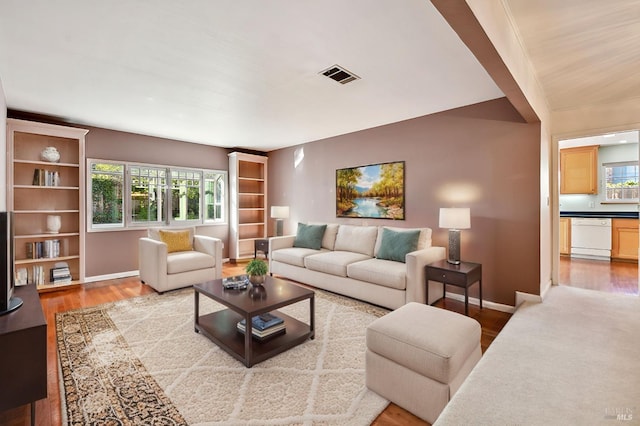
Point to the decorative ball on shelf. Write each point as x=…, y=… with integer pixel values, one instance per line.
x=50, y=154
x=54, y=223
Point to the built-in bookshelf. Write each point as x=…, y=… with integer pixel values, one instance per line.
x=47, y=198
x=248, y=203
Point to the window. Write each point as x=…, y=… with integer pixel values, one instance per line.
x=148, y=188
x=185, y=195
x=107, y=184
x=214, y=183
x=156, y=195
x=621, y=181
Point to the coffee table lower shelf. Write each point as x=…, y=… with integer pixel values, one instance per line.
x=221, y=328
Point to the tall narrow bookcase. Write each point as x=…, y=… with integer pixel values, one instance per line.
x=248, y=203
x=37, y=189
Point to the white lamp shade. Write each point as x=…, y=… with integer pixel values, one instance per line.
x=280, y=212
x=455, y=218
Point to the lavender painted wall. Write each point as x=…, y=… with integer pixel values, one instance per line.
x=117, y=251
x=481, y=156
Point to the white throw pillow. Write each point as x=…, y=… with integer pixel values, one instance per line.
x=357, y=239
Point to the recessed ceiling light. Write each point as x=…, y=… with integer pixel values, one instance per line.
x=623, y=141
x=610, y=135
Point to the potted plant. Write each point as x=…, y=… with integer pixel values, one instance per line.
x=256, y=269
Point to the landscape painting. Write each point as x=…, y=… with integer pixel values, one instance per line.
x=375, y=191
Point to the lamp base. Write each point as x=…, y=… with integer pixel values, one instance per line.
x=454, y=247
x=279, y=226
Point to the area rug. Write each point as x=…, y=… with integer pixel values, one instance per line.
x=139, y=361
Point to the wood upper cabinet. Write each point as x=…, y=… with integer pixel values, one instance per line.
x=624, y=239
x=565, y=235
x=579, y=170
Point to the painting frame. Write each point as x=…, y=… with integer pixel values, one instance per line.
x=372, y=191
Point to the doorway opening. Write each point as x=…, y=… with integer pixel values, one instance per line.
x=598, y=205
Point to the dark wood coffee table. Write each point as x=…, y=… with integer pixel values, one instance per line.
x=221, y=326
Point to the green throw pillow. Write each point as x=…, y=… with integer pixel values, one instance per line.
x=309, y=236
x=396, y=245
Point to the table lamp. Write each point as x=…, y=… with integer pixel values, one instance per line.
x=279, y=213
x=455, y=219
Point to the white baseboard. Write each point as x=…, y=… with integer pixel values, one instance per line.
x=527, y=297
x=485, y=303
x=111, y=276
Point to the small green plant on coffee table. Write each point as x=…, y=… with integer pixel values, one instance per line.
x=256, y=269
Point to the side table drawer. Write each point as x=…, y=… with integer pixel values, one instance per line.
x=449, y=277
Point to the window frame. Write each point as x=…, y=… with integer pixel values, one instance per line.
x=127, y=202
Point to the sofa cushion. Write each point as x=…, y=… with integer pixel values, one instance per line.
x=333, y=262
x=382, y=272
x=176, y=240
x=424, y=240
x=185, y=261
x=329, y=238
x=309, y=236
x=357, y=239
x=293, y=255
x=395, y=245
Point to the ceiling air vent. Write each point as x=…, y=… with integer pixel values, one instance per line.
x=339, y=74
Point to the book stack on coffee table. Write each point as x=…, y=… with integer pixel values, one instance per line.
x=264, y=326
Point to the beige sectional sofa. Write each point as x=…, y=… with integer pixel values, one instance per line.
x=348, y=262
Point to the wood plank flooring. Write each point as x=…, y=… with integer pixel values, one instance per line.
x=48, y=411
x=610, y=277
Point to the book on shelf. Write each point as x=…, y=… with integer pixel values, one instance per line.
x=42, y=177
x=276, y=329
x=21, y=277
x=264, y=321
x=48, y=249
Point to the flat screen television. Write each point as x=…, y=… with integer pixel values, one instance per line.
x=8, y=302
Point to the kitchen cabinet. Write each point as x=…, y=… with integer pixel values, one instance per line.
x=624, y=239
x=579, y=170
x=565, y=236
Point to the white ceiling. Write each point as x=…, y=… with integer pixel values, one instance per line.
x=234, y=73
x=584, y=52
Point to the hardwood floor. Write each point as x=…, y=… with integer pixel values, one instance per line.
x=48, y=411
x=610, y=277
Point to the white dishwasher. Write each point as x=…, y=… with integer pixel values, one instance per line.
x=591, y=238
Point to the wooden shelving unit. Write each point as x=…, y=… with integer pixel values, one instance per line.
x=248, y=203
x=32, y=202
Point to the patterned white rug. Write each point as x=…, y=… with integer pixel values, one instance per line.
x=318, y=382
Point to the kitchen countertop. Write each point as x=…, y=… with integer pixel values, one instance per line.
x=613, y=215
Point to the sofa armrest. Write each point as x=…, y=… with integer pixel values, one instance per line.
x=152, y=261
x=276, y=243
x=416, y=262
x=211, y=246
x=284, y=241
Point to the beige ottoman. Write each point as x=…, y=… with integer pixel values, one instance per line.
x=418, y=356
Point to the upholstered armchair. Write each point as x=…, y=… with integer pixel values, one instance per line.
x=174, y=258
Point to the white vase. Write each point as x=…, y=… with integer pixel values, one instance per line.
x=54, y=223
x=50, y=154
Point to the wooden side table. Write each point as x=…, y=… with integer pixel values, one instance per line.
x=463, y=275
x=262, y=245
